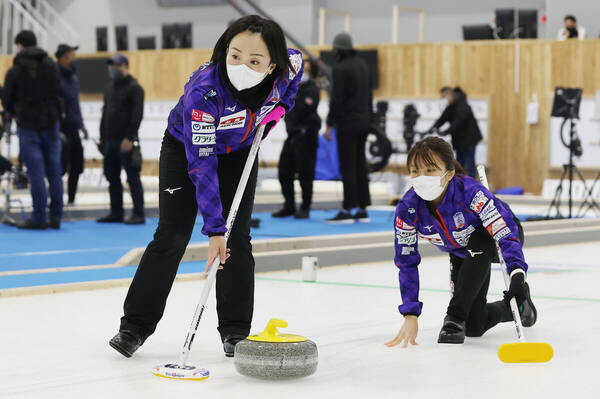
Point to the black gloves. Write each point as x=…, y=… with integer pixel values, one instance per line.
x=516, y=289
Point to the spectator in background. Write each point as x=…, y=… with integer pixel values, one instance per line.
x=299, y=152
x=31, y=94
x=350, y=111
x=121, y=117
x=463, y=127
x=72, y=122
x=571, y=30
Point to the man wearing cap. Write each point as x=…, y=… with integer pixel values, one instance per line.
x=71, y=122
x=121, y=117
x=31, y=95
x=350, y=109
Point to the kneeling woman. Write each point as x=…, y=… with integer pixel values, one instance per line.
x=251, y=80
x=460, y=216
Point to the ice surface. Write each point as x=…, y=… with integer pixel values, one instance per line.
x=56, y=346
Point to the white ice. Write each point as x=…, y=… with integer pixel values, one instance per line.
x=55, y=346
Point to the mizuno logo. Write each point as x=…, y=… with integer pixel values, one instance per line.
x=472, y=253
x=232, y=108
x=172, y=190
x=428, y=228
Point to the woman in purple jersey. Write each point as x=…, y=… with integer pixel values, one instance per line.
x=460, y=216
x=251, y=80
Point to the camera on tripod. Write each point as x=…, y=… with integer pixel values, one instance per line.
x=566, y=105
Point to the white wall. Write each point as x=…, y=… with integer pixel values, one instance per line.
x=587, y=13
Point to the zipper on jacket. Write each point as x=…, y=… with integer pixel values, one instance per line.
x=250, y=123
x=443, y=226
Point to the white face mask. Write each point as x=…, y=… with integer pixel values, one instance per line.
x=428, y=187
x=243, y=77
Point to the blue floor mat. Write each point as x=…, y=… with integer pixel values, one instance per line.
x=84, y=243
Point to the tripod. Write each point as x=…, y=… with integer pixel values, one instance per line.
x=10, y=176
x=568, y=170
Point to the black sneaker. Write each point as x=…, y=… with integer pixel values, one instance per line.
x=126, y=343
x=135, y=219
x=54, y=224
x=31, y=225
x=230, y=342
x=302, y=214
x=340, y=218
x=453, y=331
x=110, y=218
x=362, y=216
x=283, y=212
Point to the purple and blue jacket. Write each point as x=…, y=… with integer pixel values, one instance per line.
x=466, y=207
x=209, y=121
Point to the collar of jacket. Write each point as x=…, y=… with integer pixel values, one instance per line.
x=66, y=72
x=254, y=97
x=448, y=202
x=124, y=81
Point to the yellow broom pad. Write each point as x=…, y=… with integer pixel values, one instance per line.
x=525, y=352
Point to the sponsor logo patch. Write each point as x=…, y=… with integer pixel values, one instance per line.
x=296, y=61
x=493, y=215
x=408, y=250
x=233, y=121
x=462, y=237
x=210, y=94
x=496, y=226
x=488, y=208
x=401, y=224
x=406, y=237
x=411, y=210
x=201, y=116
x=204, y=139
x=230, y=109
x=205, y=151
x=435, y=239
x=479, y=200
x=502, y=233
x=459, y=220
x=202, y=127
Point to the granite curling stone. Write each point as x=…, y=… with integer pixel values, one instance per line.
x=275, y=356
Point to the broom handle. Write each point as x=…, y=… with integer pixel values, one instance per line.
x=513, y=302
x=212, y=273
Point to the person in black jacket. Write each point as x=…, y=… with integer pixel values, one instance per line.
x=121, y=118
x=463, y=128
x=31, y=94
x=72, y=121
x=299, y=152
x=350, y=111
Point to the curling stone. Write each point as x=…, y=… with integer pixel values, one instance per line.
x=276, y=356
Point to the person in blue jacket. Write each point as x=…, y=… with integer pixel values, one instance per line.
x=460, y=216
x=251, y=80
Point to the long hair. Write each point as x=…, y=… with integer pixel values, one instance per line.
x=424, y=150
x=271, y=34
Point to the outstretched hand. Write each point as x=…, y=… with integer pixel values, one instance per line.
x=408, y=333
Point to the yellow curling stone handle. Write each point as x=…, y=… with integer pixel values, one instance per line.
x=270, y=334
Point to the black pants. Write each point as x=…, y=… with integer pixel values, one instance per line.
x=466, y=157
x=351, y=144
x=147, y=296
x=72, y=159
x=298, y=158
x=114, y=160
x=471, y=279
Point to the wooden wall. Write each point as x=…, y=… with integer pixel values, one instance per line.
x=518, y=153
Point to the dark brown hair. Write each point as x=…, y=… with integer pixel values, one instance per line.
x=271, y=34
x=424, y=150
